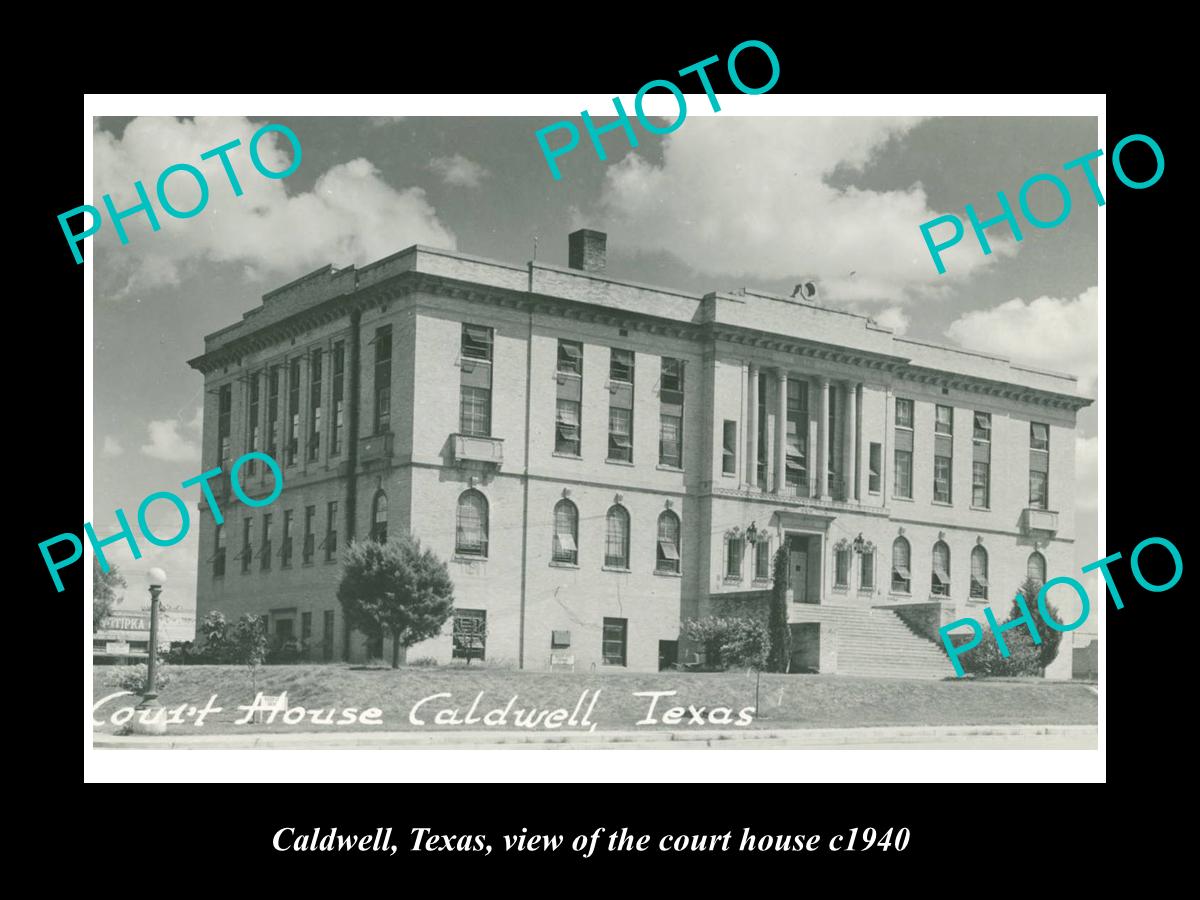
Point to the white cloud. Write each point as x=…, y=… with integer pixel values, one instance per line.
x=1087, y=473
x=894, y=318
x=167, y=443
x=112, y=447
x=458, y=170
x=351, y=215
x=750, y=196
x=1053, y=333
x=380, y=121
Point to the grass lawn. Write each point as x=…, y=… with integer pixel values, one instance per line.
x=785, y=701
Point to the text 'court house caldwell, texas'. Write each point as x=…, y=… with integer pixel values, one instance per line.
x=598, y=460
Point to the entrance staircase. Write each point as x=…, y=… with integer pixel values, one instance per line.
x=874, y=642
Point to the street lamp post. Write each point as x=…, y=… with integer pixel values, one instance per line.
x=148, y=717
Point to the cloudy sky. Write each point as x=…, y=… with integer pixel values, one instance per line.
x=721, y=203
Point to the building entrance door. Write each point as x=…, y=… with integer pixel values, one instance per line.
x=798, y=569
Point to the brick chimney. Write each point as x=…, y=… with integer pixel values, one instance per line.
x=586, y=250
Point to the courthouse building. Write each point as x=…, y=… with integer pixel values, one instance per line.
x=597, y=460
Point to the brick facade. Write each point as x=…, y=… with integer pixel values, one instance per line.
x=421, y=466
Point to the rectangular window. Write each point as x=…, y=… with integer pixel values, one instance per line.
x=981, y=460
x=866, y=571
x=762, y=561
x=286, y=547
x=841, y=568
x=331, y=530
x=613, y=648
x=310, y=537
x=729, y=448
x=1039, y=465
x=620, y=434
x=224, y=417
x=327, y=635
x=875, y=470
x=219, y=553
x=247, y=553
x=904, y=449
x=293, y=442
x=255, y=425
x=980, y=484
x=314, y=406
x=943, y=453
x=570, y=357
x=670, y=434
x=476, y=416
x=273, y=413
x=477, y=342
x=733, y=558
x=305, y=629
x=339, y=390
x=620, y=366
x=620, y=405
x=942, y=467
x=796, y=474
x=903, y=468
x=264, y=553
x=383, y=379
x=567, y=424
x=470, y=634
x=901, y=575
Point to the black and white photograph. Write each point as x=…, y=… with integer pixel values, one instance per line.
x=436, y=432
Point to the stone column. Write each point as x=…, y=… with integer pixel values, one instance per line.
x=781, y=431
x=751, y=442
x=850, y=442
x=823, y=441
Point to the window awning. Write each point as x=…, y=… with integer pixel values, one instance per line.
x=902, y=572
x=621, y=440
x=668, y=550
x=572, y=351
x=980, y=580
x=566, y=542
x=568, y=415
x=982, y=422
x=940, y=574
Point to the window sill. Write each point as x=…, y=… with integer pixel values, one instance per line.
x=899, y=595
x=619, y=462
x=729, y=580
x=615, y=665
x=977, y=601
x=729, y=475
x=874, y=493
x=667, y=574
x=982, y=508
x=563, y=565
x=866, y=591
x=761, y=582
x=904, y=499
x=941, y=503
x=842, y=588
x=663, y=467
x=562, y=455
x=615, y=569
x=463, y=558
x=938, y=598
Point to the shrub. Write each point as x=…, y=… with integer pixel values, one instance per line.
x=729, y=642
x=1024, y=656
x=423, y=662
x=133, y=678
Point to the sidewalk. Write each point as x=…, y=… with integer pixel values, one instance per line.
x=1075, y=737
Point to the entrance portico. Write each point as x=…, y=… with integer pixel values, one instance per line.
x=803, y=536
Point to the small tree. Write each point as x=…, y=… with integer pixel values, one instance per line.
x=248, y=645
x=395, y=588
x=214, y=638
x=779, y=655
x=1024, y=656
x=732, y=642
x=104, y=591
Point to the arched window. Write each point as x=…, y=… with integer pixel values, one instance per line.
x=1036, y=567
x=472, y=532
x=939, y=583
x=379, y=518
x=901, y=577
x=668, y=543
x=616, y=539
x=979, y=582
x=566, y=532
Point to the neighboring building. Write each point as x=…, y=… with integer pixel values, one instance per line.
x=597, y=459
x=124, y=634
